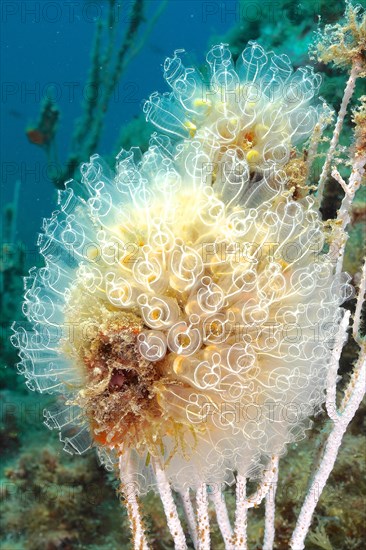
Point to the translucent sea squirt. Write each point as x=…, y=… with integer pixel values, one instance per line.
x=186, y=309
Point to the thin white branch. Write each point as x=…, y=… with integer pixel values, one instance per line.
x=243, y=503
x=348, y=92
x=355, y=390
x=355, y=393
x=341, y=338
x=218, y=498
x=203, y=518
x=336, y=175
x=241, y=514
x=315, y=139
x=190, y=517
x=170, y=509
x=270, y=508
x=360, y=300
x=133, y=510
x=268, y=476
x=343, y=216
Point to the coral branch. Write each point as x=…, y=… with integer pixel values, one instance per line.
x=336, y=175
x=243, y=503
x=133, y=511
x=150, y=25
x=269, y=474
x=222, y=516
x=202, y=518
x=343, y=217
x=333, y=367
x=360, y=300
x=270, y=507
x=241, y=512
x=324, y=119
x=355, y=390
x=348, y=92
x=190, y=517
x=170, y=509
x=351, y=401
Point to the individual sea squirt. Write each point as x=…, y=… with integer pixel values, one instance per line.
x=186, y=309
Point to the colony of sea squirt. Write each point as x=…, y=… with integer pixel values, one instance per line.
x=186, y=309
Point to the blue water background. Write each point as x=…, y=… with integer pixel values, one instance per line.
x=46, y=48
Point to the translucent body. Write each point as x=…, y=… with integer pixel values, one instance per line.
x=188, y=300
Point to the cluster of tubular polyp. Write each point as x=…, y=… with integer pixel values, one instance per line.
x=202, y=241
x=237, y=305
x=259, y=105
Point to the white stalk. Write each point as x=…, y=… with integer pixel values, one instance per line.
x=341, y=338
x=139, y=540
x=336, y=175
x=241, y=513
x=358, y=170
x=190, y=517
x=218, y=498
x=348, y=92
x=269, y=475
x=349, y=406
x=360, y=300
x=243, y=504
x=203, y=518
x=170, y=509
x=270, y=508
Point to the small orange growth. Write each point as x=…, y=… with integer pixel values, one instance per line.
x=36, y=137
x=44, y=132
x=101, y=438
x=249, y=136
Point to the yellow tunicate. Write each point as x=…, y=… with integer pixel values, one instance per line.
x=178, y=365
x=250, y=106
x=155, y=314
x=191, y=127
x=92, y=253
x=283, y=263
x=198, y=102
x=253, y=156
